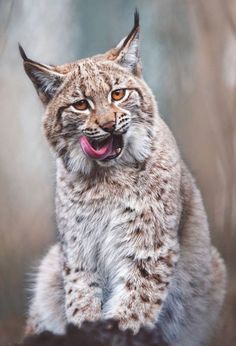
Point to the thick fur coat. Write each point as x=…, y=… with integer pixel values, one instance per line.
x=133, y=237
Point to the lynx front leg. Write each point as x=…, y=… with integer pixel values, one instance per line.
x=138, y=298
x=57, y=301
x=82, y=296
x=143, y=275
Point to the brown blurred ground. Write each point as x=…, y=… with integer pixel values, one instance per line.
x=189, y=59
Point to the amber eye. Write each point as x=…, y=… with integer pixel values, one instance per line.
x=81, y=105
x=118, y=94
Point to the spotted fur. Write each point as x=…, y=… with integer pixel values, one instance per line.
x=134, y=242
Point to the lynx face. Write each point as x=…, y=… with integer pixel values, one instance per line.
x=99, y=111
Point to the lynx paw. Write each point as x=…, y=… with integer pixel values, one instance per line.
x=129, y=323
x=87, y=311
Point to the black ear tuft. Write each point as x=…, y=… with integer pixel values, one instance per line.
x=136, y=18
x=22, y=52
x=135, y=29
x=127, y=51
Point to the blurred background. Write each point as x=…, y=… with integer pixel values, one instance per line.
x=189, y=60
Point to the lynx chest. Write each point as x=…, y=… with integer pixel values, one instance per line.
x=91, y=223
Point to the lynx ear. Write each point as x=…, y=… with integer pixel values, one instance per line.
x=45, y=78
x=126, y=52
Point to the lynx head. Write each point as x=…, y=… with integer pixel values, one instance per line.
x=99, y=111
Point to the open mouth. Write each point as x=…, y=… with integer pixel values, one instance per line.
x=106, y=149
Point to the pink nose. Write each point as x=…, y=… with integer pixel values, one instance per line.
x=109, y=126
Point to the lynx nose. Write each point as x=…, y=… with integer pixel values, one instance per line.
x=109, y=126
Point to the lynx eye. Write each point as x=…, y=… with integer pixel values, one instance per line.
x=118, y=94
x=81, y=105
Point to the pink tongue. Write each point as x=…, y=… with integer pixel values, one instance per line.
x=98, y=154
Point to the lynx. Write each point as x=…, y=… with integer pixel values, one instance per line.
x=133, y=238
